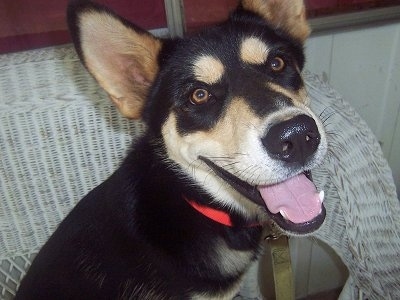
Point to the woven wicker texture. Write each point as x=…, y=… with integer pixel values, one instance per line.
x=363, y=223
x=60, y=137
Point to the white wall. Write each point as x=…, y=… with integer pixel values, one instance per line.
x=363, y=65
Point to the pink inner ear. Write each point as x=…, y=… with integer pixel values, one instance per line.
x=122, y=59
x=137, y=76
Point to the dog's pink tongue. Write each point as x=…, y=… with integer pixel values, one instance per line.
x=296, y=199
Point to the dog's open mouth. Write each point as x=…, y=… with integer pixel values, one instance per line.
x=293, y=204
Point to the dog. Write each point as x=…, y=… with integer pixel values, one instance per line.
x=228, y=147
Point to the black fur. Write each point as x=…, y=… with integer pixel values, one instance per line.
x=135, y=226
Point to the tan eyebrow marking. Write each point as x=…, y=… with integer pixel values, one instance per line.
x=299, y=96
x=208, y=69
x=253, y=51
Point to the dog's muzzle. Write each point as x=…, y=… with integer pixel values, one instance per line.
x=294, y=204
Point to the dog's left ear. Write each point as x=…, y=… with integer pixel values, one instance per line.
x=121, y=56
x=286, y=15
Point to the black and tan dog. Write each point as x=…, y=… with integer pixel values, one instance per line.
x=230, y=139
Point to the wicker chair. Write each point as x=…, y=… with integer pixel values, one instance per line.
x=60, y=137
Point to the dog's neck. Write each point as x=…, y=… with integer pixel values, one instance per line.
x=217, y=215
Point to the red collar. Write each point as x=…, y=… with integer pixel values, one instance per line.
x=214, y=214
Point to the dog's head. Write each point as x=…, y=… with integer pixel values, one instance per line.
x=229, y=103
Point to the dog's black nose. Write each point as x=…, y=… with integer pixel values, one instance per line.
x=293, y=140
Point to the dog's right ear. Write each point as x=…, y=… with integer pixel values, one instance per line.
x=286, y=15
x=121, y=56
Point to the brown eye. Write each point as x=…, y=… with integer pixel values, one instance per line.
x=277, y=64
x=200, y=96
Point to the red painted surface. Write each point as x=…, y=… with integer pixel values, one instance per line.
x=27, y=24
x=199, y=13
x=317, y=8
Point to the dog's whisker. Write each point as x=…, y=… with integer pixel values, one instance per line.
x=220, y=157
x=326, y=114
x=230, y=165
x=245, y=172
x=254, y=170
x=256, y=179
x=240, y=153
x=250, y=125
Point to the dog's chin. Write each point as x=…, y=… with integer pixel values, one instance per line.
x=288, y=221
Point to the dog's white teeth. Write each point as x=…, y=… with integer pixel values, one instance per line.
x=322, y=196
x=284, y=215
